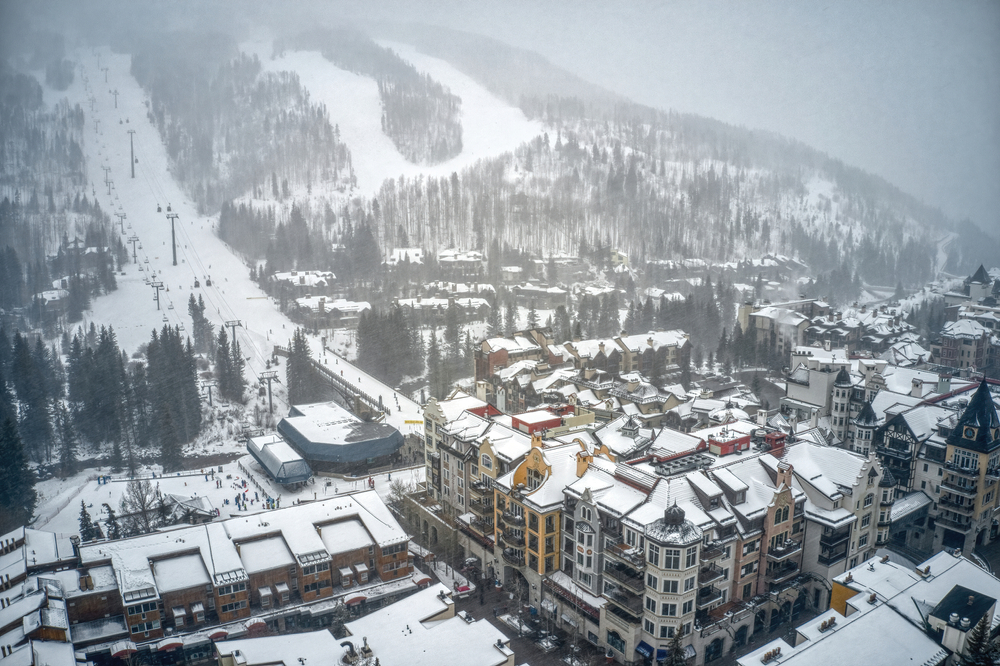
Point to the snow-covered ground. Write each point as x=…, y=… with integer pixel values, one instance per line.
x=201, y=255
x=59, y=500
x=490, y=126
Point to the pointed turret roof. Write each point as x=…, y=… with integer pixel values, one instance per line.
x=843, y=377
x=888, y=480
x=866, y=417
x=980, y=276
x=978, y=427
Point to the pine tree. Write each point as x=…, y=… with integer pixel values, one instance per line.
x=223, y=364
x=67, y=442
x=451, y=330
x=303, y=387
x=88, y=529
x=237, y=383
x=979, y=651
x=170, y=444
x=494, y=325
x=114, y=529
x=17, y=480
x=510, y=318
x=676, y=653
x=532, y=316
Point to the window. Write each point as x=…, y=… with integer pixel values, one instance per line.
x=651, y=604
x=651, y=581
x=666, y=631
x=648, y=626
x=748, y=590
x=550, y=523
x=486, y=462
x=863, y=541
x=748, y=569
x=671, y=558
x=751, y=547
x=670, y=586
x=869, y=498
x=688, y=607
x=653, y=555
x=532, y=521
x=866, y=520
x=692, y=557
x=689, y=584
x=669, y=610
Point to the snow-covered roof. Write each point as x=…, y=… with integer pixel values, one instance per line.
x=305, y=278
x=345, y=536
x=180, y=573
x=263, y=554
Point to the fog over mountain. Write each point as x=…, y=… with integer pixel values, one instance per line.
x=905, y=90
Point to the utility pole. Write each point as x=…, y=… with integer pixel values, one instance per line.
x=131, y=150
x=115, y=93
x=133, y=240
x=121, y=220
x=157, y=286
x=173, y=235
x=269, y=376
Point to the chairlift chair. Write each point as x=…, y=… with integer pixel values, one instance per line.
x=158, y=209
x=196, y=284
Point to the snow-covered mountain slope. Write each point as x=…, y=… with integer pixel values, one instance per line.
x=201, y=255
x=490, y=125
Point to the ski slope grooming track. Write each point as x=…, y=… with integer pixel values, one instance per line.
x=131, y=309
x=490, y=126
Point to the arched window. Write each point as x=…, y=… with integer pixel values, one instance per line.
x=487, y=461
x=714, y=650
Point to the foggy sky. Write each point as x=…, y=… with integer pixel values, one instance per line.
x=907, y=90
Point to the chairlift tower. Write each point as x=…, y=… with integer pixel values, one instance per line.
x=131, y=150
x=157, y=285
x=173, y=235
x=133, y=240
x=121, y=220
x=269, y=376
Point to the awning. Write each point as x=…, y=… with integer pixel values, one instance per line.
x=661, y=654
x=463, y=588
x=549, y=605
x=197, y=607
x=122, y=648
x=254, y=623
x=644, y=648
x=345, y=572
x=264, y=591
x=282, y=588
x=568, y=620
x=690, y=652
x=178, y=611
x=361, y=568
x=422, y=580
x=355, y=600
x=171, y=643
x=219, y=634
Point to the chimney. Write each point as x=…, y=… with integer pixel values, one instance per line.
x=953, y=618
x=583, y=460
x=826, y=345
x=536, y=440
x=944, y=383
x=972, y=599
x=600, y=345
x=965, y=624
x=917, y=388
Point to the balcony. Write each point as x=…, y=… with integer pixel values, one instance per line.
x=993, y=473
x=511, y=538
x=708, y=595
x=709, y=574
x=901, y=454
x=783, y=572
x=966, y=489
x=833, y=557
x=512, y=519
x=512, y=557
x=968, y=508
x=712, y=551
x=967, y=472
x=625, y=576
x=631, y=556
x=624, y=598
x=832, y=539
x=784, y=551
x=955, y=523
x=622, y=617
x=482, y=506
x=479, y=489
